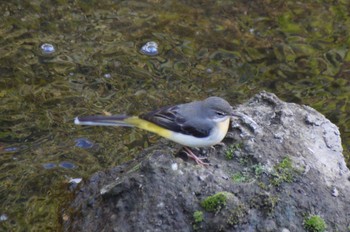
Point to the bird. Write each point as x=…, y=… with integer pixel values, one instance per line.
x=195, y=124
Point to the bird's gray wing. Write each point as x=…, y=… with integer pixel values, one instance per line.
x=171, y=119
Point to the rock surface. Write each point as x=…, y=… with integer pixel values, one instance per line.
x=282, y=162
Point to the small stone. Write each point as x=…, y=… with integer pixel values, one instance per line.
x=335, y=192
x=174, y=166
x=224, y=177
x=65, y=217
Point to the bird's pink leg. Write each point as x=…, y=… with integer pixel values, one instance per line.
x=194, y=157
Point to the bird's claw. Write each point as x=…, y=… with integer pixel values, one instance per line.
x=195, y=158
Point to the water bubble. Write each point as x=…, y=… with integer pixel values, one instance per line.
x=107, y=75
x=150, y=48
x=3, y=217
x=49, y=165
x=47, y=49
x=209, y=70
x=67, y=165
x=83, y=143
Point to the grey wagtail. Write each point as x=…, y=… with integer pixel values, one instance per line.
x=195, y=124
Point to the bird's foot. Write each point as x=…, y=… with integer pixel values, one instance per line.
x=198, y=160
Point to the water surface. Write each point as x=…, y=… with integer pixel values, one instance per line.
x=233, y=49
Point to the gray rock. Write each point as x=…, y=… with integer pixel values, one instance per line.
x=288, y=162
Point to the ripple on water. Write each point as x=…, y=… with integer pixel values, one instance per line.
x=11, y=149
x=49, y=165
x=67, y=165
x=83, y=143
x=47, y=49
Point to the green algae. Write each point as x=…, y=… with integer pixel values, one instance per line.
x=231, y=48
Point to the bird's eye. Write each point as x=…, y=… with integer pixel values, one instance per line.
x=221, y=114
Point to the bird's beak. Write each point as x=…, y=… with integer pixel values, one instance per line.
x=236, y=114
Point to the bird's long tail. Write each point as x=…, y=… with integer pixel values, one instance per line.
x=114, y=120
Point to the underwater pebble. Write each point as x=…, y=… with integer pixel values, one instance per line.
x=150, y=48
x=3, y=217
x=67, y=165
x=49, y=165
x=83, y=143
x=47, y=48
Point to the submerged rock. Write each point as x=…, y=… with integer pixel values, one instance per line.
x=281, y=164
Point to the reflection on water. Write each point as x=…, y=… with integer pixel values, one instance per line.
x=47, y=49
x=232, y=49
x=150, y=49
x=83, y=143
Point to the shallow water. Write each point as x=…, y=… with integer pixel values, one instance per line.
x=232, y=49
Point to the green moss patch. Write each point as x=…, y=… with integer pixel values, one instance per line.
x=315, y=224
x=215, y=202
x=198, y=216
x=229, y=153
x=283, y=172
